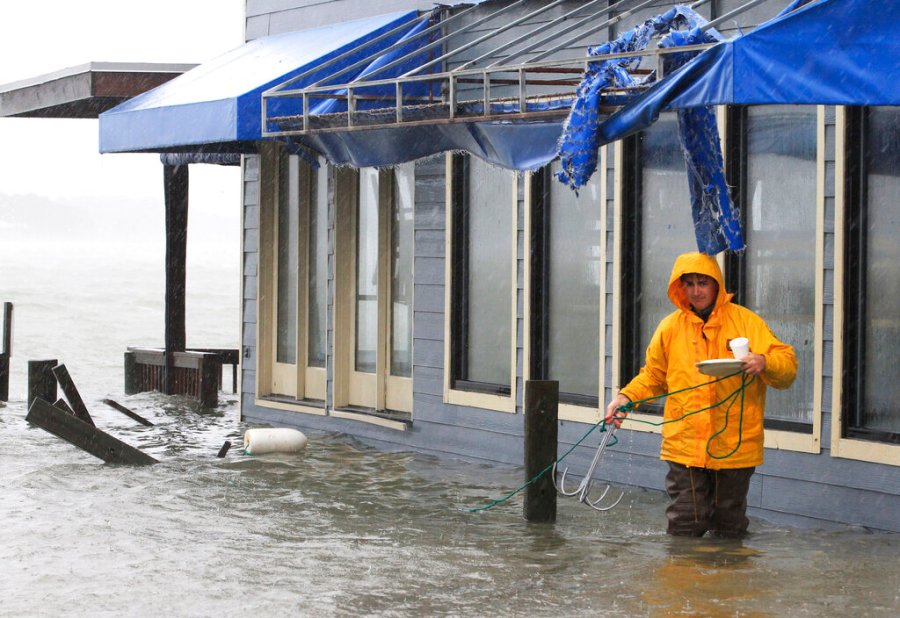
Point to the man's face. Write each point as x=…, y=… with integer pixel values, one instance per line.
x=701, y=290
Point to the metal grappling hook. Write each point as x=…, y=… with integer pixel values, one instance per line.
x=584, y=489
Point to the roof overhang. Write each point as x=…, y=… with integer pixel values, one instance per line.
x=83, y=91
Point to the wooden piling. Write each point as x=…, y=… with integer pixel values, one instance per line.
x=224, y=450
x=541, y=434
x=175, y=178
x=132, y=374
x=6, y=351
x=86, y=437
x=41, y=381
x=4, y=376
x=72, y=394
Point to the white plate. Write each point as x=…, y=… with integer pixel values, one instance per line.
x=719, y=367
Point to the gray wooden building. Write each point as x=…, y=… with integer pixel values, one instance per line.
x=408, y=304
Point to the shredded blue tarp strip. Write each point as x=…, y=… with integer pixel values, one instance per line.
x=716, y=223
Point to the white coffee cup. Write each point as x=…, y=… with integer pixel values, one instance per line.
x=740, y=347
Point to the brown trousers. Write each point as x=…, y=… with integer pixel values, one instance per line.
x=707, y=500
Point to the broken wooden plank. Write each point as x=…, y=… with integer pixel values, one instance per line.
x=86, y=437
x=62, y=405
x=118, y=406
x=41, y=381
x=224, y=450
x=72, y=394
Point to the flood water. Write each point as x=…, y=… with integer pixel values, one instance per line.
x=340, y=529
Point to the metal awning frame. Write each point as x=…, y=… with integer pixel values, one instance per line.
x=524, y=77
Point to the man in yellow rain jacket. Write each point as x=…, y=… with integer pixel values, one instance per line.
x=709, y=469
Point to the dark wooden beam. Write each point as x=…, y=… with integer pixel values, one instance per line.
x=86, y=437
x=115, y=405
x=41, y=381
x=541, y=436
x=176, y=192
x=72, y=394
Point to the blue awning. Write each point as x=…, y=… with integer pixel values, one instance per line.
x=829, y=52
x=216, y=107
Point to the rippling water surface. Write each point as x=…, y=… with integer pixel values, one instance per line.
x=340, y=529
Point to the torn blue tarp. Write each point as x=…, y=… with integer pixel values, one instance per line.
x=716, y=222
x=829, y=52
x=579, y=143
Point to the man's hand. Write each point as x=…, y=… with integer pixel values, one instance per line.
x=753, y=364
x=613, y=414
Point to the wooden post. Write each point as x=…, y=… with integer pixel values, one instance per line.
x=7, y=328
x=86, y=437
x=4, y=376
x=176, y=192
x=41, y=381
x=72, y=394
x=541, y=433
x=209, y=372
x=132, y=374
x=6, y=351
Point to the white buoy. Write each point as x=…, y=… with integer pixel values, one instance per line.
x=273, y=440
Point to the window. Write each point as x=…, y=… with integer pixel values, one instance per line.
x=773, y=166
x=871, y=321
x=374, y=298
x=565, y=286
x=482, y=279
x=294, y=254
x=656, y=228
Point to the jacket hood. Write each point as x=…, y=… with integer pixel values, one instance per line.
x=695, y=262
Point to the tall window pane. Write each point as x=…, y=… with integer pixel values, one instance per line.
x=780, y=210
x=666, y=229
x=488, y=283
x=881, y=378
x=288, y=259
x=318, y=268
x=402, y=240
x=367, y=271
x=573, y=265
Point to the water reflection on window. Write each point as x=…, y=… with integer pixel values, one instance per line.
x=287, y=259
x=781, y=241
x=318, y=267
x=881, y=324
x=489, y=283
x=573, y=290
x=367, y=271
x=402, y=239
x=667, y=229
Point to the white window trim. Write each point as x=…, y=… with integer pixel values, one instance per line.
x=500, y=403
x=847, y=448
x=268, y=171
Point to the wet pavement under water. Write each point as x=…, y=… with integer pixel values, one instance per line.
x=342, y=529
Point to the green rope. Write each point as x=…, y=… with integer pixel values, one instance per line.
x=631, y=405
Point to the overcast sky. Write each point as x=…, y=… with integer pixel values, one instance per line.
x=60, y=158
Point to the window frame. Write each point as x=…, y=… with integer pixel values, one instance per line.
x=305, y=378
x=572, y=406
x=378, y=397
x=463, y=392
x=780, y=433
x=849, y=198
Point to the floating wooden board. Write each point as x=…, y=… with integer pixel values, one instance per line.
x=86, y=437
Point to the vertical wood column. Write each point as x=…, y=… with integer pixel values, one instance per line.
x=176, y=192
x=541, y=436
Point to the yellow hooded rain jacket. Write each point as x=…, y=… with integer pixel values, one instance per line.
x=683, y=339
